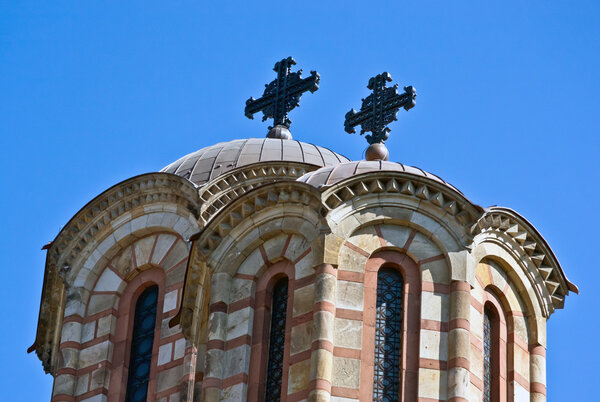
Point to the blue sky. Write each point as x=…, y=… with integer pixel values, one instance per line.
x=92, y=93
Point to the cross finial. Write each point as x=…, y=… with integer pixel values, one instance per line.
x=281, y=96
x=377, y=111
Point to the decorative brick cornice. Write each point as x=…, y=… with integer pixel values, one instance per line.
x=218, y=193
x=447, y=200
x=534, y=247
x=92, y=222
x=97, y=215
x=262, y=197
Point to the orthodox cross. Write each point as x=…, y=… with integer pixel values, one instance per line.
x=281, y=96
x=379, y=109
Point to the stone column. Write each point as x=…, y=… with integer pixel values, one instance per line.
x=459, y=341
x=217, y=329
x=321, y=360
x=537, y=359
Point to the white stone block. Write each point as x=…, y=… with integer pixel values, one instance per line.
x=395, y=235
x=182, y=225
x=95, y=354
x=71, y=332
x=107, y=244
x=234, y=393
x=521, y=394
x=163, y=245
x=170, y=302
x=96, y=398
x=433, y=384
x=88, y=331
x=143, y=249
x=108, y=282
x=434, y=345
x=139, y=223
x=179, y=349
x=349, y=295
x=164, y=353
x=422, y=247
x=252, y=264
x=240, y=323
x=106, y=325
x=434, y=306
x=348, y=333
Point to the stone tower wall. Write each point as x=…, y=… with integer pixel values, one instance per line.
x=215, y=279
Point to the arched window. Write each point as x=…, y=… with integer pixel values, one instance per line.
x=388, y=335
x=494, y=351
x=277, y=340
x=141, y=345
x=487, y=356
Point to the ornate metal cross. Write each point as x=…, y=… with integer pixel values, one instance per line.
x=379, y=109
x=281, y=96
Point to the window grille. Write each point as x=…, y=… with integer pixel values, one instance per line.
x=487, y=357
x=388, y=335
x=141, y=345
x=277, y=340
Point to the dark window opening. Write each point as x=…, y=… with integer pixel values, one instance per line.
x=277, y=340
x=388, y=335
x=141, y=345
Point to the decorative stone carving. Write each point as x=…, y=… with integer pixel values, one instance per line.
x=505, y=220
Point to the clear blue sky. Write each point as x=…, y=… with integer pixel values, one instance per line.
x=92, y=93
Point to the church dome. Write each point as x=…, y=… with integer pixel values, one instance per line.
x=208, y=163
x=330, y=175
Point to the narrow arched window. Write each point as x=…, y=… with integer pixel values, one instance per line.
x=277, y=340
x=487, y=356
x=141, y=345
x=388, y=335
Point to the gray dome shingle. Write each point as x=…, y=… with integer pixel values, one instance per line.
x=329, y=175
x=207, y=163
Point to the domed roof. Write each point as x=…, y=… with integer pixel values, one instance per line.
x=329, y=175
x=204, y=165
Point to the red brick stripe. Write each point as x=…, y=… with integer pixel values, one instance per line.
x=356, y=248
x=538, y=388
x=218, y=307
x=320, y=384
x=300, y=357
x=236, y=379
x=304, y=254
x=432, y=259
x=460, y=323
x=286, y=245
x=459, y=362
x=519, y=379
x=432, y=325
x=349, y=314
x=433, y=364
x=322, y=344
x=537, y=350
x=302, y=282
x=240, y=304
x=215, y=344
x=237, y=342
x=460, y=286
x=435, y=287
x=346, y=352
x=410, y=239
x=382, y=241
x=345, y=392
x=351, y=276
